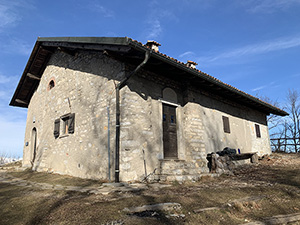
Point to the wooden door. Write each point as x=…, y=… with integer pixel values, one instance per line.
x=169, y=131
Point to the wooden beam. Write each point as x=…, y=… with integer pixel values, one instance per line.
x=87, y=46
x=67, y=51
x=21, y=101
x=32, y=76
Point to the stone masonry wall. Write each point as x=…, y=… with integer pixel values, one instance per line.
x=84, y=85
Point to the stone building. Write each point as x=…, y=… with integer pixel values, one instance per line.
x=115, y=108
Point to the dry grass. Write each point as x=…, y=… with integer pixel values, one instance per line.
x=43, y=177
x=277, y=185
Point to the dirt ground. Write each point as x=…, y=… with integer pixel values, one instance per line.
x=251, y=193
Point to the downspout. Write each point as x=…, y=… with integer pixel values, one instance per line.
x=119, y=86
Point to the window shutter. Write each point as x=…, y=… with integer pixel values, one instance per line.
x=257, y=129
x=226, y=126
x=56, y=128
x=71, y=123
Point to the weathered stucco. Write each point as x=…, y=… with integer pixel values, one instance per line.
x=85, y=85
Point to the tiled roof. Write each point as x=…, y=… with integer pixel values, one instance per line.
x=201, y=73
x=44, y=48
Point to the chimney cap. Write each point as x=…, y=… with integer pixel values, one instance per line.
x=152, y=42
x=191, y=62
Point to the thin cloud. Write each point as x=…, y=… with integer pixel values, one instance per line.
x=271, y=6
x=188, y=53
x=259, y=88
x=7, y=16
x=11, y=12
x=261, y=48
x=105, y=12
x=270, y=85
x=16, y=46
x=155, y=29
x=6, y=79
x=154, y=24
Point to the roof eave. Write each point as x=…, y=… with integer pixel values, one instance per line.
x=22, y=79
x=270, y=108
x=125, y=41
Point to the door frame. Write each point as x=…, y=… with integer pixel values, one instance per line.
x=176, y=124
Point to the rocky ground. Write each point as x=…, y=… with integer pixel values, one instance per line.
x=263, y=193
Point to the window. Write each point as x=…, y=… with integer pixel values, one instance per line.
x=68, y=123
x=226, y=125
x=51, y=84
x=67, y=127
x=56, y=128
x=257, y=130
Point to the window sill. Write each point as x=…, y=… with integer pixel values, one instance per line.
x=64, y=135
x=172, y=159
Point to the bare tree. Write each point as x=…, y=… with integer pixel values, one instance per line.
x=293, y=123
x=273, y=120
x=285, y=131
x=3, y=157
x=276, y=126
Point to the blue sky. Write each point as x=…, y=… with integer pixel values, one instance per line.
x=253, y=45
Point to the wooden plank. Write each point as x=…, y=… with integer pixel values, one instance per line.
x=32, y=76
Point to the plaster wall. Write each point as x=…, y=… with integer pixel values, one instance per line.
x=242, y=121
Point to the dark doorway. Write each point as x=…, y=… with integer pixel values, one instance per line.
x=169, y=131
x=33, y=145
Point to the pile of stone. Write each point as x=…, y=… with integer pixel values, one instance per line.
x=227, y=160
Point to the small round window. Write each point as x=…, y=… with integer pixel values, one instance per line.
x=51, y=84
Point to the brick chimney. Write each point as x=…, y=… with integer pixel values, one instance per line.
x=153, y=45
x=191, y=64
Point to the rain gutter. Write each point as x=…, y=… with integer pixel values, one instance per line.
x=119, y=86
